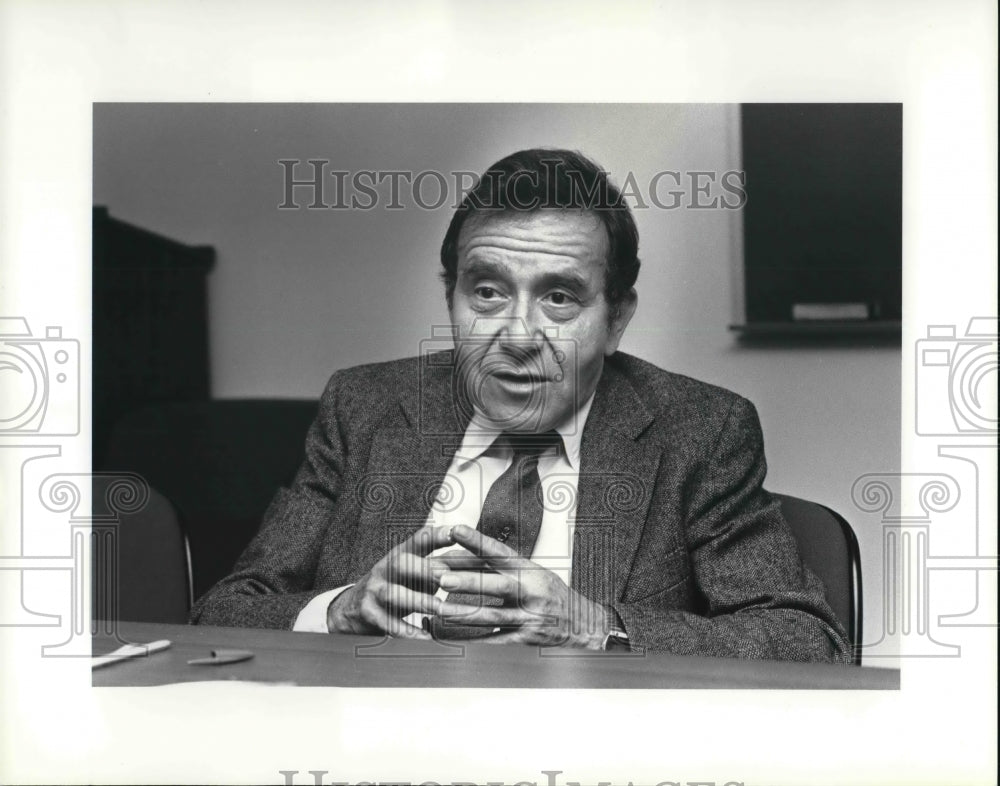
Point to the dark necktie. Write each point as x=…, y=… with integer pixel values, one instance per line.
x=511, y=514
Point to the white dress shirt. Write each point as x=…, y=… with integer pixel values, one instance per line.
x=477, y=465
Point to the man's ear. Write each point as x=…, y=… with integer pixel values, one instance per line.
x=621, y=317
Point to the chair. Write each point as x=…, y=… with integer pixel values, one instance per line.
x=829, y=549
x=219, y=462
x=141, y=572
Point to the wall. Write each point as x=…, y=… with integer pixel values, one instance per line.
x=300, y=293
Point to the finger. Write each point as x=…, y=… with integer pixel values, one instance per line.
x=518, y=636
x=463, y=560
x=396, y=626
x=527, y=635
x=437, y=563
x=493, y=551
x=485, y=616
x=425, y=540
x=515, y=566
x=494, y=584
x=414, y=571
x=400, y=600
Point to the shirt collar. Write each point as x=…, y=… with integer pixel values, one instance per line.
x=480, y=435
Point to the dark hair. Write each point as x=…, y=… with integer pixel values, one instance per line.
x=549, y=178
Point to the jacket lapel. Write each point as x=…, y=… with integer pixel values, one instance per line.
x=617, y=474
x=408, y=461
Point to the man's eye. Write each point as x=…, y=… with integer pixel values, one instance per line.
x=486, y=293
x=560, y=299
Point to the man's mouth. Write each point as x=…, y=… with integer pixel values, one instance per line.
x=518, y=377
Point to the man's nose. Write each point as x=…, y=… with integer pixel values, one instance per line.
x=527, y=325
x=521, y=326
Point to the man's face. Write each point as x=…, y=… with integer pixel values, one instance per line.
x=533, y=324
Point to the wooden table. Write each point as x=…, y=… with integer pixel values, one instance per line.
x=362, y=661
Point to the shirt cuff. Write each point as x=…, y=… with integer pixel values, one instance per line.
x=312, y=618
x=615, y=623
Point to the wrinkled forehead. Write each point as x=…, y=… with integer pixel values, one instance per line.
x=575, y=235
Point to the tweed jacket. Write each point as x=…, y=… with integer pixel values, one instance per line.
x=673, y=528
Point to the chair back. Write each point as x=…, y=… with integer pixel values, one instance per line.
x=142, y=572
x=829, y=548
x=220, y=463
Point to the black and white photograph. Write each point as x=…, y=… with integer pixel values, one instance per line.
x=632, y=514
x=652, y=425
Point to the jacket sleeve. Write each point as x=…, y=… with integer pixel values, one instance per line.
x=761, y=602
x=274, y=577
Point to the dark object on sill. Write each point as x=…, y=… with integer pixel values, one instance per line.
x=881, y=333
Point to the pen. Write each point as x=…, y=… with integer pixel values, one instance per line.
x=129, y=651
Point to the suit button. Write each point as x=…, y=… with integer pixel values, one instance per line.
x=502, y=537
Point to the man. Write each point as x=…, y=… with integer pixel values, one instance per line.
x=534, y=485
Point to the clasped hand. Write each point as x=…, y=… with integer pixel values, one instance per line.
x=538, y=607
